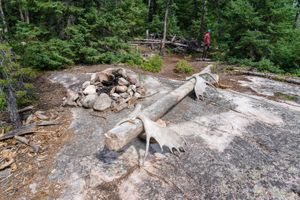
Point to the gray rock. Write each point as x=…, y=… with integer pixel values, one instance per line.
x=123, y=81
x=137, y=95
x=133, y=88
x=138, y=84
x=141, y=90
x=124, y=95
x=115, y=96
x=113, y=90
x=132, y=79
x=121, y=89
x=89, y=100
x=102, y=102
x=94, y=78
x=122, y=72
x=85, y=84
x=102, y=76
x=131, y=93
x=91, y=89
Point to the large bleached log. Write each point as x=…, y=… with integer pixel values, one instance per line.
x=121, y=135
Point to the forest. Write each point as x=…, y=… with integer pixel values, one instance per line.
x=54, y=34
x=51, y=35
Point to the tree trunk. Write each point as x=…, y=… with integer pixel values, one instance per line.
x=12, y=105
x=297, y=17
x=121, y=135
x=162, y=47
x=27, y=16
x=202, y=19
x=3, y=17
x=196, y=9
x=21, y=14
x=149, y=11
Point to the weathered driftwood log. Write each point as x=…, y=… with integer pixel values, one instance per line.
x=121, y=135
x=269, y=76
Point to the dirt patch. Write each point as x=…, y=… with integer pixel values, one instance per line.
x=49, y=94
x=30, y=176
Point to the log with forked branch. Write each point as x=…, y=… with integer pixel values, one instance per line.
x=121, y=135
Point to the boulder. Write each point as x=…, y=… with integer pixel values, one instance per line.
x=91, y=89
x=85, y=84
x=121, y=89
x=123, y=81
x=102, y=102
x=89, y=100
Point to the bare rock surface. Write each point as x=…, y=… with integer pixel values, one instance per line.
x=239, y=147
x=270, y=87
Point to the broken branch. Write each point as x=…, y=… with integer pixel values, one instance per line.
x=35, y=148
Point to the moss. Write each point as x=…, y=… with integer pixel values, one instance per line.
x=286, y=96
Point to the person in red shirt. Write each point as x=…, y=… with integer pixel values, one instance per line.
x=206, y=40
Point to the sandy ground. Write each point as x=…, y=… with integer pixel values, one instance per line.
x=241, y=145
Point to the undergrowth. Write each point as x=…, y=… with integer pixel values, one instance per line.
x=182, y=66
x=154, y=64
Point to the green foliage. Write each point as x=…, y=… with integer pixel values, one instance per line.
x=154, y=64
x=2, y=101
x=53, y=54
x=286, y=96
x=59, y=33
x=183, y=66
x=18, y=77
x=265, y=65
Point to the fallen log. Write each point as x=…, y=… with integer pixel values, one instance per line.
x=121, y=135
x=158, y=42
x=19, y=131
x=269, y=76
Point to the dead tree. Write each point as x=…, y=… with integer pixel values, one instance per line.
x=3, y=17
x=297, y=17
x=9, y=93
x=162, y=46
x=202, y=19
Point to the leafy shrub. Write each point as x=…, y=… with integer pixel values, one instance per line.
x=54, y=54
x=267, y=65
x=286, y=52
x=154, y=64
x=183, y=66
